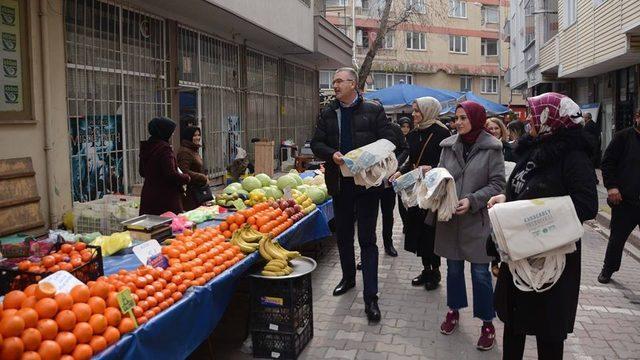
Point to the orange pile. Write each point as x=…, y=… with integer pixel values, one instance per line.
x=37, y=324
x=69, y=257
x=270, y=220
x=88, y=319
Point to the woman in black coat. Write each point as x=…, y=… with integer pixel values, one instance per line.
x=553, y=161
x=424, y=151
x=406, y=125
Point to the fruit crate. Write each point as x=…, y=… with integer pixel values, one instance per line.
x=104, y=215
x=13, y=279
x=279, y=345
x=281, y=305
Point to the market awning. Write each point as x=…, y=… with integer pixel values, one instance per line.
x=400, y=97
x=491, y=107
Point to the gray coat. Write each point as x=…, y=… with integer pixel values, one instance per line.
x=464, y=237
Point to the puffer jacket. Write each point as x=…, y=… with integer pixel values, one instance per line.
x=369, y=124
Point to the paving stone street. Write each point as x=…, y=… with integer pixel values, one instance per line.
x=607, y=326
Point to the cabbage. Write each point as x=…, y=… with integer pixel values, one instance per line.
x=274, y=182
x=250, y=183
x=230, y=190
x=316, y=195
x=243, y=192
x=303, y=188
x=278, y=194
x=287, y=181
x=264, y=179
x=296, y=176
x=269, y=192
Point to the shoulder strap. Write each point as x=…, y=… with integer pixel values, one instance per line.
x=415, y=165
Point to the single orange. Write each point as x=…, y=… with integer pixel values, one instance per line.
x=12, y=325
x=112, y=299
x=98, y=343
x=113, y=315
x=97, y=305
x=66, y=320
x=47, y=308
x=66, y=357
x=82, y=352
x=66, y=248
x=100, y=289
x=50, y=350
x=45, y=290
x=14, y=299
x=31, y=338
x=80, y=293
x=30, y=317
x=67, y=341
x=83, y=332
x=83, y=311
x=30, y=355
x=98, y=323
x=126, y=325
x=48, y=329
x=48, y=261
x=65, y=301
x=30, y=290
x=111, y=334
x=12, y=348
x=79, y=246
x=29, y=302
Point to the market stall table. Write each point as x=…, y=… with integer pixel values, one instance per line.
x=178, y=331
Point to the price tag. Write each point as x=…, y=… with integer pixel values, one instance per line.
x=62, y=280
x=126, y=302
x=158, y=260
x=146, y=250
x=287, y=193
x=239, y=204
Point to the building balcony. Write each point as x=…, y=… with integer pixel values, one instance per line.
x=550, y=56
x=530, y=56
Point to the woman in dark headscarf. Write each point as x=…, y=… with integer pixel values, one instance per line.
x=554, y=160
x=474, y=159
x=162, y=180
x=190, y=162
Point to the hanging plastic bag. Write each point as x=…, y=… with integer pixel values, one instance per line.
x=371, y=164
x=406, y=186
x=437, y=192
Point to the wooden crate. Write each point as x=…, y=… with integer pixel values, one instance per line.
x=264, y=157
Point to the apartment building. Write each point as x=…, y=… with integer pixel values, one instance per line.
x=83, y=78
x=449, y=44
x=587, y=49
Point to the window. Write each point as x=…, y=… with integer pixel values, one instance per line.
x=326, y=77
x=383, y=80
x=417, y=6
x=570, y=11
x=362, y=37
x=529, y=23
x=388, y=40
x=458, y=44
x=490, y=14
x=490, y=85
x=489, y=47
x=458, y=8
x=416, y=40
x=465, y=83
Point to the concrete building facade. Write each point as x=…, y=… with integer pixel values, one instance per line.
x=447, y=44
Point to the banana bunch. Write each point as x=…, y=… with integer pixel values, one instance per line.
x=246, y=240
x=276, y=267
x=271, y=250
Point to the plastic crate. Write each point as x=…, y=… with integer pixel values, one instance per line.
x=281, y=305
x=104, y=215
x=13, y=279
x=278, y=345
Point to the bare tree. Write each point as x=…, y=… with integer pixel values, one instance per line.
x=389, y=22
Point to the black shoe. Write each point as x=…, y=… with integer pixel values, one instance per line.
x=359, y=266
x=372, y=310
x=419, y=280
x=390, y=250
x=604, y=277
x=343, y=287
x=432, y=280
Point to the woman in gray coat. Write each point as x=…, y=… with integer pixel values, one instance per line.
x=474, y=159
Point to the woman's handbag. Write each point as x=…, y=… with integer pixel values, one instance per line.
x=202, y=194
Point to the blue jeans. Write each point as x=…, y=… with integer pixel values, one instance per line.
x=482, y=289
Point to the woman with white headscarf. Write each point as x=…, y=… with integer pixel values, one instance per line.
x=424, y=151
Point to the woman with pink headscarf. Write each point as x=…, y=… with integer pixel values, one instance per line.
x=554, y=160
x=474, y=158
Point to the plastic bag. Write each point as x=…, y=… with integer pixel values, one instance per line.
x=406, y=186
x=113, y=243
x=436, y=191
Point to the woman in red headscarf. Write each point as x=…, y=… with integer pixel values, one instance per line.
x=474, y=158
x=554, y=160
